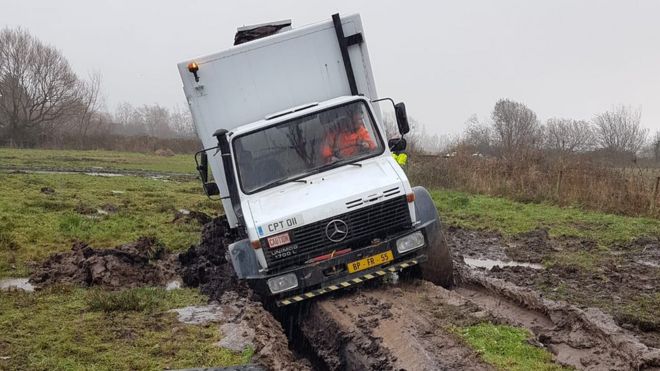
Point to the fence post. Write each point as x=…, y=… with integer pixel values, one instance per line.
x=558, y=188
x=655, y=195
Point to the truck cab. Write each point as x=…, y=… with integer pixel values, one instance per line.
x=312, y=188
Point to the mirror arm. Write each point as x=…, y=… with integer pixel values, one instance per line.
x=203, y=171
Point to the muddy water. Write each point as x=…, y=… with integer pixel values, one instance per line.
x=22, y=284
x=490, y=263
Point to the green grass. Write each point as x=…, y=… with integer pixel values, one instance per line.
x=506, y=347
x=511, y=218
x=61, y=329
x=34, y=225
x=45, y=159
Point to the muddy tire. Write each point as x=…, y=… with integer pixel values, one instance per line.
x=439, y=267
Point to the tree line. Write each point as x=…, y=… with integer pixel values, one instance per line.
x=514, y=132
x=43, y=102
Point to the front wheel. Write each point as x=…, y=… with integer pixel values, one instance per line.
x=439, y=267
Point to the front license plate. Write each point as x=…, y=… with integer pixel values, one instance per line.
x=371, y=261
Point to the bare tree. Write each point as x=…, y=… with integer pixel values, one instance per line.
x=619, y=130
x=182, y=122
x=156, y=120
x=568, y=136
x=478, y=137
x=515, y=128
x=37, y=85
x=89, y=104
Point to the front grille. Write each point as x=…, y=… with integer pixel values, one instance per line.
x=365, y=224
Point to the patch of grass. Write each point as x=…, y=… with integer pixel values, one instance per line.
x=62, y=160
x=511, y=218
x=576, y=260
x=54, y=329
x=506, y=347
x=644, y=312
x=34, y=225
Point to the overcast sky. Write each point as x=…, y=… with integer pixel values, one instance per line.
x=446, y=59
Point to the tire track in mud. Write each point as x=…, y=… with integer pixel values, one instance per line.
x=409, y=327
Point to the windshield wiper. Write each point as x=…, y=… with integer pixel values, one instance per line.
x=279, y=182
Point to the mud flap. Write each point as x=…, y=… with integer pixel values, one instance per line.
x=350, y=282
x=243, y=259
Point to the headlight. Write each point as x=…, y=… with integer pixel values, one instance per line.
x=283, y=283
x=410, y=242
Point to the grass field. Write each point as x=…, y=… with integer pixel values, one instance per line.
x=66, y=328
x=34, y=224
x=511, y=218
x=60, y=160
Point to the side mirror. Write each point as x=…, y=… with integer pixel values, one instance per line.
x=401, y=118
x=211, y=189
x=397, y=144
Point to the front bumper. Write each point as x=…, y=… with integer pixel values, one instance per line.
x=319, y=278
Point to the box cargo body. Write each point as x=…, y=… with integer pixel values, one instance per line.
x=245, y=83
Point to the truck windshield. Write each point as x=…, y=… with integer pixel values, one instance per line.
x=305, y=145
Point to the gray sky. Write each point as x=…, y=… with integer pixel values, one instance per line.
x=446, y=59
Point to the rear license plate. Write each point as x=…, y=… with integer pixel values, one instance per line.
x=370, y=261
x=279, y=240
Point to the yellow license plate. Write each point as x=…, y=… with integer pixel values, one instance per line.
x=371, y=261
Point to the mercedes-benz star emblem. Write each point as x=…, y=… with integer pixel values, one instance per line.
x=336, y=230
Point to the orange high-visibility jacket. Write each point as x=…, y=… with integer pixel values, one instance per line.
x=346, y=143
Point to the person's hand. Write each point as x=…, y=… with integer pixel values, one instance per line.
x=364, y=145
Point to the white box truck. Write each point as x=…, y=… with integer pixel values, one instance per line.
x=300, y=159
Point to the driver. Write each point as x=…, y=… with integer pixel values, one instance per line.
x=347, y=138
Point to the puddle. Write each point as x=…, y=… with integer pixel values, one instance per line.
x=173, y=285
x=11, y=284
x=104, y=174
x=490, y=263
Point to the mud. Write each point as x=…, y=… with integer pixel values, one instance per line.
x=206, y=265
x=141, y=263
x=586, y=339
x=619, y=280
x=245, y=323
x=391, y=328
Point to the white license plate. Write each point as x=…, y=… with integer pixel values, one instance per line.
x=279, y=240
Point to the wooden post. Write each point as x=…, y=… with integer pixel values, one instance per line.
x=655, y=195
x=558, y=188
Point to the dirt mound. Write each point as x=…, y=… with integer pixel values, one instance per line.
x=206, y=265
x=143, y=262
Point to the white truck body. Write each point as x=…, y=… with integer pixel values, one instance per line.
x=302, y=163
x=247, y=82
